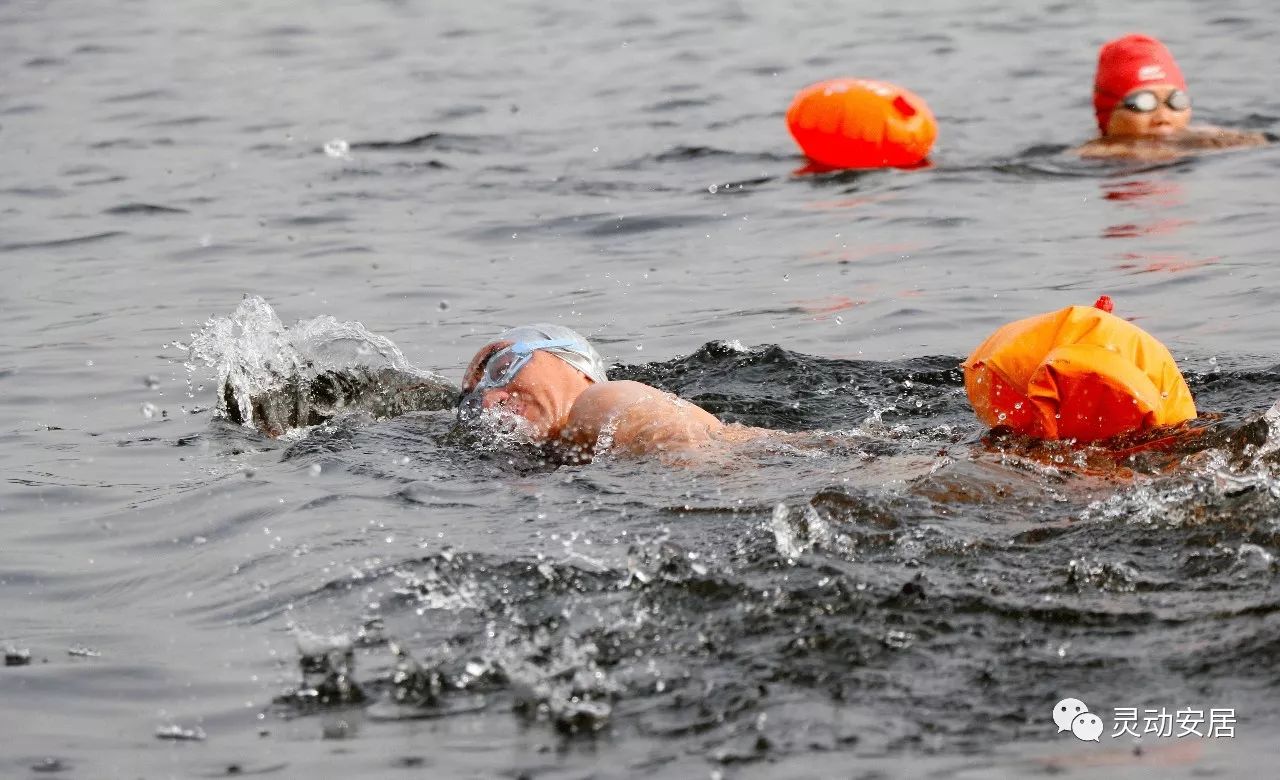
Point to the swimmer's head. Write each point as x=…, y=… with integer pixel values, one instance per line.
x=534, y=372
x=1139, y=89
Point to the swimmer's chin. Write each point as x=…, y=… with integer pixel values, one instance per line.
x=504, y=422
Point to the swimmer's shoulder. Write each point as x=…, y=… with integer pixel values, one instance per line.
x=1144, y=149
x=1193, y=139
x=635, y=416
x=620, y=390
x=607, y=402
x=1211, y=137
x=1098, y=148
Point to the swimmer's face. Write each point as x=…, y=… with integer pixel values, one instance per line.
x=1163, y=121
x=541, y=392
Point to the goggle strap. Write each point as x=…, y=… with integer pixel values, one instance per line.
x=534, y=346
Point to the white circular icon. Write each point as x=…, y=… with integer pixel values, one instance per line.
x=1087, y=727
x=1066, y=711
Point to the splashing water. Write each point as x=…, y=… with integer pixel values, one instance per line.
x=257, y=359
x=338, y=148
x=327, y=663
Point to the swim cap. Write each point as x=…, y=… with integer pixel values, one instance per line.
x=1126, y=64
x=580, y=354
x=1076, y=373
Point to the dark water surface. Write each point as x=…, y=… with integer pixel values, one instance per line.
x=898, y=598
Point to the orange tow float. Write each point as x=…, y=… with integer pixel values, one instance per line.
x=859, y=123
x=1079, y=373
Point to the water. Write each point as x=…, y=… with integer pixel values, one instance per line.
x=900, y=598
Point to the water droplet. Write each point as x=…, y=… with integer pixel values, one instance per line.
x=712, y=189
x=89, y=363
x=148, y=410
x=639, y=348
x=786, y=277
x=180, y=733
x=444, y=306
x=338, y=149
x=839, y=320
x=152, y=381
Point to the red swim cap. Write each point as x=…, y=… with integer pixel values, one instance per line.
x=1126, y=64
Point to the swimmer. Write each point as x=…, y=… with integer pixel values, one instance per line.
x=545, y=382
x=552, y=383
x=547, y=385
x=1143, y=108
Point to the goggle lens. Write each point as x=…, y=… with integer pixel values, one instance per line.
x=499, y=369
x=1146, y=101
x=503, y=366
x=1178, y=100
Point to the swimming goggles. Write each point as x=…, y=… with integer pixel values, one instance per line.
x=1145, y=101
x=500, y=369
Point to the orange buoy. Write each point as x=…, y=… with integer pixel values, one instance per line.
x=1079, y=373
x=859, y=123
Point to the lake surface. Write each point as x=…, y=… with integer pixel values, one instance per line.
x=902, y=598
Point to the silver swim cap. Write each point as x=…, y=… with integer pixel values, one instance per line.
x=580, y=354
